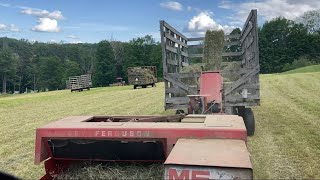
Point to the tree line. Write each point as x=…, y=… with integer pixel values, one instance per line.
x=24, y=66
x=47, y=66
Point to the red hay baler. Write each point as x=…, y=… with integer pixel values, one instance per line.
x=209, y=143
x=195, y=146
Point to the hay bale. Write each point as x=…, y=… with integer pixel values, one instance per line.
x=231, y=71
x=145, y=75
x=113, y=171
x=213, y=49
x=193, y=68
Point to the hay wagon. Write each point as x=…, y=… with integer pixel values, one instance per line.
x=142, y=76
x=79, y=83
x=241, y=49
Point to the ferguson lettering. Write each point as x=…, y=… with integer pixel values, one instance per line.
x=122, y=133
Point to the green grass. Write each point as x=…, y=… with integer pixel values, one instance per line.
x=307, y=69
x=286, y=143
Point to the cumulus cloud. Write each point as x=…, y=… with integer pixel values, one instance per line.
x=172, y=5
x=47, y=25
x=9, y=28
x=203, y=21
x=72, y=36
x=75, y=42
x=43, y=13
x=3, y=26
x=269, y=9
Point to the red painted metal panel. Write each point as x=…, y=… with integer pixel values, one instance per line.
x=211, y=86
x=231, y=127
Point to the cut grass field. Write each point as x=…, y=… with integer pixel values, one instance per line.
x=307, y=69
x=286, y=143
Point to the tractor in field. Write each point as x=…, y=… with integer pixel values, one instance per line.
x=208, y=142
x=142, y=76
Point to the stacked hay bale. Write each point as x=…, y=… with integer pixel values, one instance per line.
x=193, y=68
x=213, y=49
x=231, y=71
x=144, y=75
x=212, y=56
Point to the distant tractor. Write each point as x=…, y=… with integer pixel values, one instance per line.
x=142, y=76
x=79, y=83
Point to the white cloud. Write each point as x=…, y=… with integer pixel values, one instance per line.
x=9, y=28
x=72, y=36
x=47, y=25
x=3, y=26
x=269, y=9
x=43, y=13
x=13, y=28
x=75, y=42
x=189, y=8
x=172, y=5
x=225, y=4
x=203, y=22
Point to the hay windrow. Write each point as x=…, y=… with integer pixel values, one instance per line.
x=113, y=171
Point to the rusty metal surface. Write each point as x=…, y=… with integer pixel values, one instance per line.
x=210, y=152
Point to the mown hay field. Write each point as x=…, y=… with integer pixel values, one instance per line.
x=286, y=143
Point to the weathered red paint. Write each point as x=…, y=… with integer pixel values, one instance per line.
x=211, y=86
x=200, y=175
x=167, y=133
x=187, y=174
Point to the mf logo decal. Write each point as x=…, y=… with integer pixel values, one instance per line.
x=122, y=133
x=187, y=174
x=197, y=174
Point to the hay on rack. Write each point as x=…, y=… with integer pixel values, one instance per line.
x=231, y=72
x=193, y=68
x=213, y=49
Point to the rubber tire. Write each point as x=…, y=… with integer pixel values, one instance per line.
x=134, y=87
x=249, y=121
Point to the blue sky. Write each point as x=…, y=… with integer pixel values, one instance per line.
x=92, y=21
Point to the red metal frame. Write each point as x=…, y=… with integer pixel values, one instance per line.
x=211, y=86
x=168, y=133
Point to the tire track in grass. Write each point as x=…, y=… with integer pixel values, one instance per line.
x=287, y=129
x=302, y=131
x=264, y=150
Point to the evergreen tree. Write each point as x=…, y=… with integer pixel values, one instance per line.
x=105, y=65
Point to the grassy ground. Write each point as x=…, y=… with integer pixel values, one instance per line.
x=286, y=143
x=314, y=68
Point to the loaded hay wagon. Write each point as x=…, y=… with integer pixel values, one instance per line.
x=208, y=143
x=237, y=95
x=142, y=76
